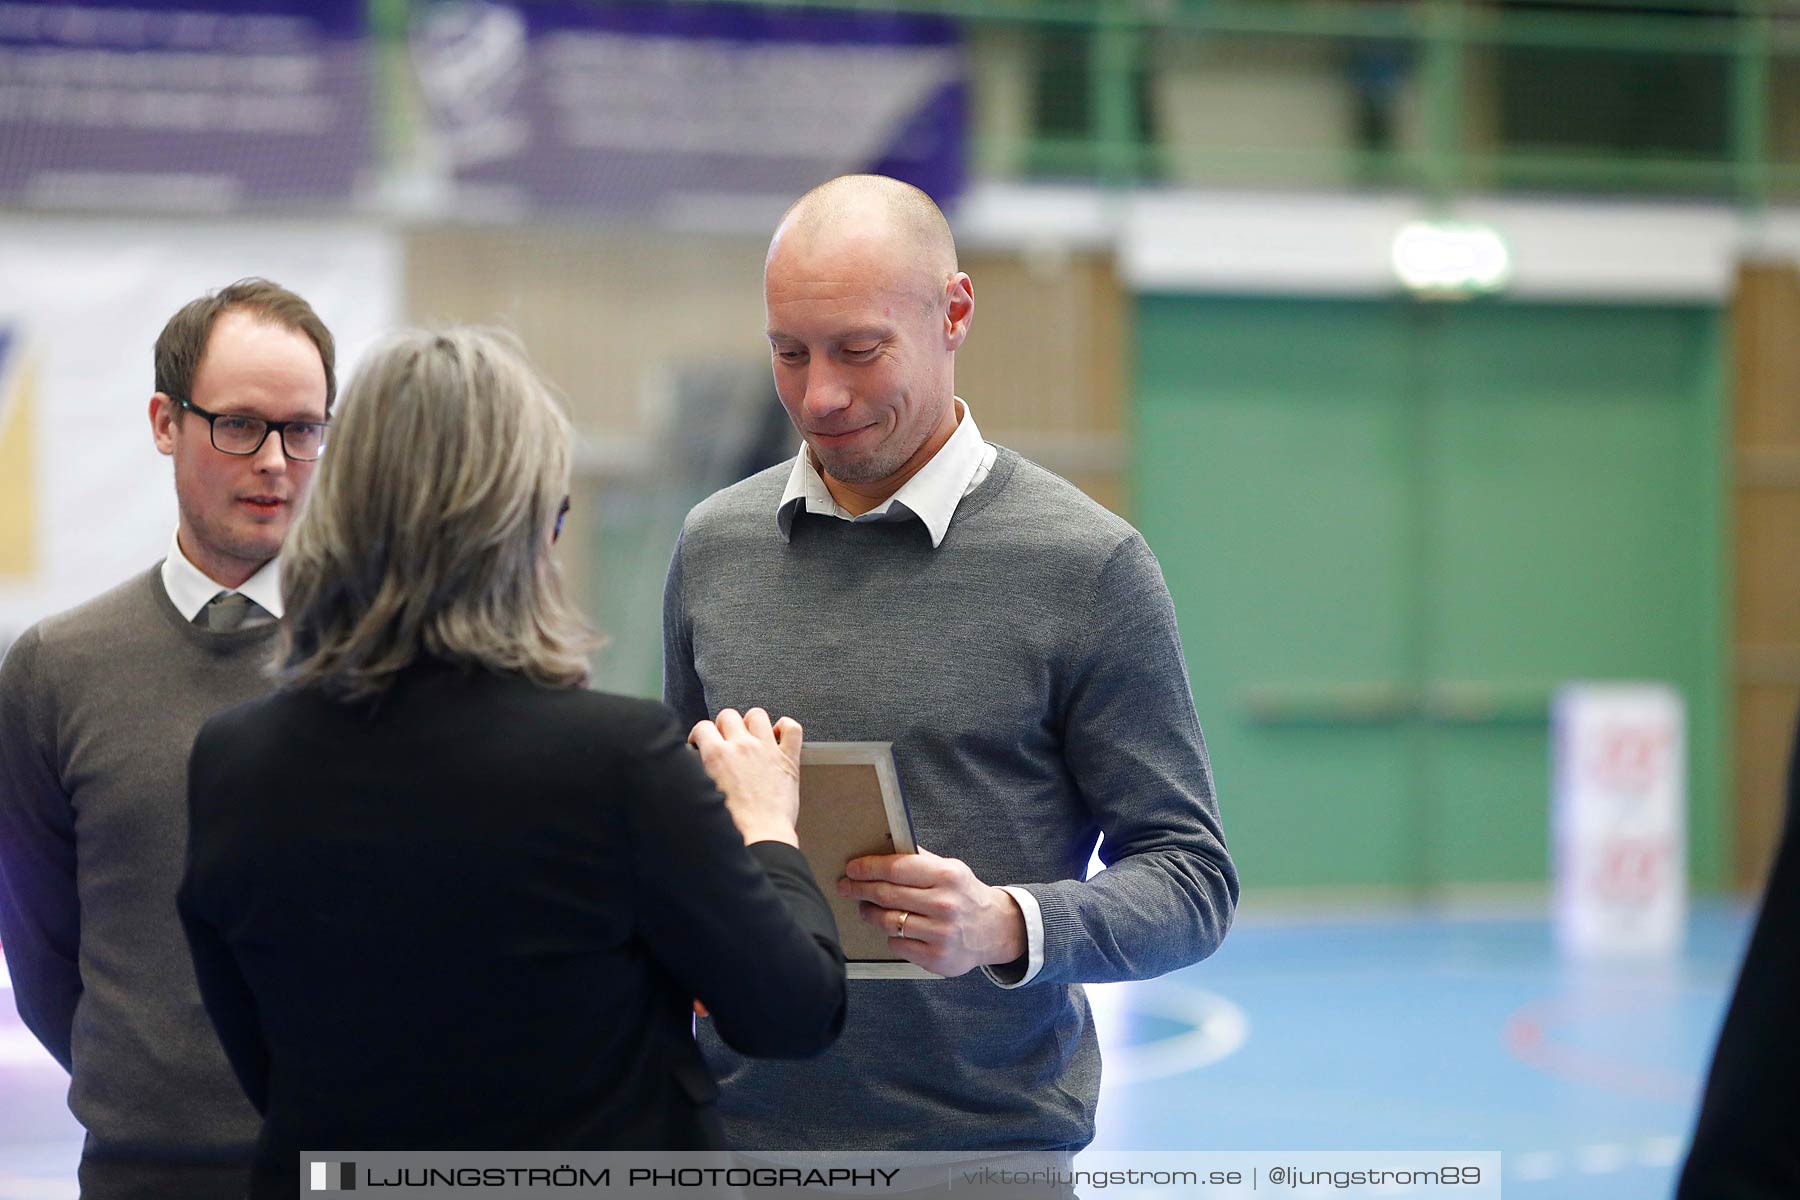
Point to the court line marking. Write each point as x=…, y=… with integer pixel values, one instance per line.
x=26, y=1187
x=1526, y=1036
x=1218, y=1029
x=1596, y=1158
x=18, y=1048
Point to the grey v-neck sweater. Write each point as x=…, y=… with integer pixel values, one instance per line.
x=1029, y=673
x=99, y=707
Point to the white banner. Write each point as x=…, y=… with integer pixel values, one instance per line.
x=85, y=499
x=1620, y=819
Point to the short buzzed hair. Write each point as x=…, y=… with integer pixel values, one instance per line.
x=843, y=199
x=182, y=343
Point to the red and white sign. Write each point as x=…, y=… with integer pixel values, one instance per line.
x=1620, y=819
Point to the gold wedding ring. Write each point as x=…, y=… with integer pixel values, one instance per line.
x=900, y=929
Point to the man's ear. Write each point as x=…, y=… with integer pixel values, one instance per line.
x=163, y=415
x=960, y=311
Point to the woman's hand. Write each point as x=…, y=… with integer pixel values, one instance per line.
x=757, y=766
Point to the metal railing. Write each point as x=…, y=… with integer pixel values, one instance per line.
x=1750, y=48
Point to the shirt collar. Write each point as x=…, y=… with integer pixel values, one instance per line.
x=190, y=588
x=931, y=495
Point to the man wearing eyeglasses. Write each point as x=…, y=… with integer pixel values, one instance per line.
x=98, y=709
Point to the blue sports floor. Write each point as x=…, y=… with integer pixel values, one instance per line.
x=1373, y=1033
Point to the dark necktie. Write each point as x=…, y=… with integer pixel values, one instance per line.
x=226, y=611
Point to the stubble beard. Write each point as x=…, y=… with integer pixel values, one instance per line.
x=871, y=467
x=257, y=545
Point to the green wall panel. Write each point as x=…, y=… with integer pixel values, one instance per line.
x=1270, y=486
x=1391, y=529
x=1572, y=535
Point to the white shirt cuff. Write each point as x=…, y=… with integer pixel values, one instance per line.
x=1034, y=939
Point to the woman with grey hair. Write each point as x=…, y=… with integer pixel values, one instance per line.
x=438, y=894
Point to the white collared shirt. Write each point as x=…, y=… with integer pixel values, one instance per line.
x=930, y=496
x=191, y=589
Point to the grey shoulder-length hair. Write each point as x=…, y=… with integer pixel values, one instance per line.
x=429, y=527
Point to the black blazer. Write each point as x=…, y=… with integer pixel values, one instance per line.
x=475, y=914
x=1747, y=1141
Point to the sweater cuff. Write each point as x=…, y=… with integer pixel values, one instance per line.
x=1007, y=975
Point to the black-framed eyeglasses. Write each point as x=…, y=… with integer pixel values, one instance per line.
x=560, y=514
x=232, y=433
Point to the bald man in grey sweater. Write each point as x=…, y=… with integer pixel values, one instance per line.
x=903, y=580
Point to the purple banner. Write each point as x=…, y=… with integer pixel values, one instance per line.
x=206, y=105
x=645, y=110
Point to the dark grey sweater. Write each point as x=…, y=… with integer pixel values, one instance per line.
x=1029, y=674
x=98, y=711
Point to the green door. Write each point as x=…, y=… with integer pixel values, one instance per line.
x=1391, y=529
